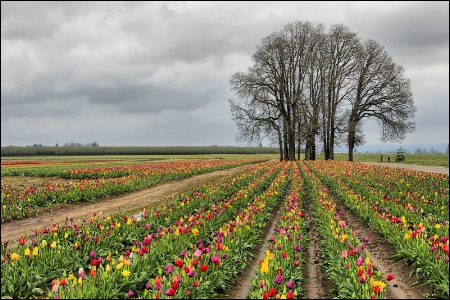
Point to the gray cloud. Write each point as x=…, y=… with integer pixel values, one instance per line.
x=157, y=73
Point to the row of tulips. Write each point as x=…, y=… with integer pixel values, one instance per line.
x=345, y=262
x=181, y=265
x=241, y=185
x=71, y=247
x=194, y=245
x=281, y=271
x=16, y=204
x=148, y=169
x=419, y=239
x=423, y=193
x=53, y=169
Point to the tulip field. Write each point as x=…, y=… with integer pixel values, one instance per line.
x=195, y=244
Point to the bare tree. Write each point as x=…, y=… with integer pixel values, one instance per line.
x=255, y=120
x=340, y=52
x=381, y=93
x=306, y=84
x=278, y=77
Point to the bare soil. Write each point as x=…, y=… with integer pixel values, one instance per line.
x=435, y=169
x=130, y=202
x=317, y=287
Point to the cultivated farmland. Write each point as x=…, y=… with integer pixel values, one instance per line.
x=223, y=229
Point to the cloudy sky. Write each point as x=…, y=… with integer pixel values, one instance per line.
x=157, y=73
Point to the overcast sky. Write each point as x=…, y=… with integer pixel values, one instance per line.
x=157, y=73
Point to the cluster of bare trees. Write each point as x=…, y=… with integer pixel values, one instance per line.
x=308, y=86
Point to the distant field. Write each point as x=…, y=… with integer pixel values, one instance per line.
x=143, y=158
x=441, y=160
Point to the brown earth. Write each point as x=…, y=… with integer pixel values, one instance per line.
x=317, y=287
x=435, y=169
x=131, y=202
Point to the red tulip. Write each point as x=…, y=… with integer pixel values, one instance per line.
x=175, y=285
x=272, y=292
x=389, y=277
x=179, y=263
x=63, y=281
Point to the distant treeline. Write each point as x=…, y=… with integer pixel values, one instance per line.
x=132, y=150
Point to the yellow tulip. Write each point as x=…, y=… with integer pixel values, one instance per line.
x=35, y=251
x=265, y=266
x=126, y=273
x=15, y=256
x=26, y=252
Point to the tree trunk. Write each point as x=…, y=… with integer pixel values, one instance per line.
x=285, y=142
x=291, y=145
x=299, y=140
x=331, y=146
x=313, y=151
x=280, y=145
x=351, y=137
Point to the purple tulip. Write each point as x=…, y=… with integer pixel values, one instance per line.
x=290, y=284
x=279, y=279
x=360, y=261
x=169, y=269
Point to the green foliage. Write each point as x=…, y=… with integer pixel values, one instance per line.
x=131, y=150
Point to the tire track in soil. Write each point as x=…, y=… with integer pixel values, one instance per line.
x=130, y=202
x=379, y=252
x=317, y=286
x=242, y=281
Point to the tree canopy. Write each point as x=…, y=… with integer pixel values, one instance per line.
x=308, y=85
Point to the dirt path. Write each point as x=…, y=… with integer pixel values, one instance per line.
x=378, y=249
x=379, y=252
x=130, y=202
x=316, y=285
x=443, y=170
x=243, y=284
